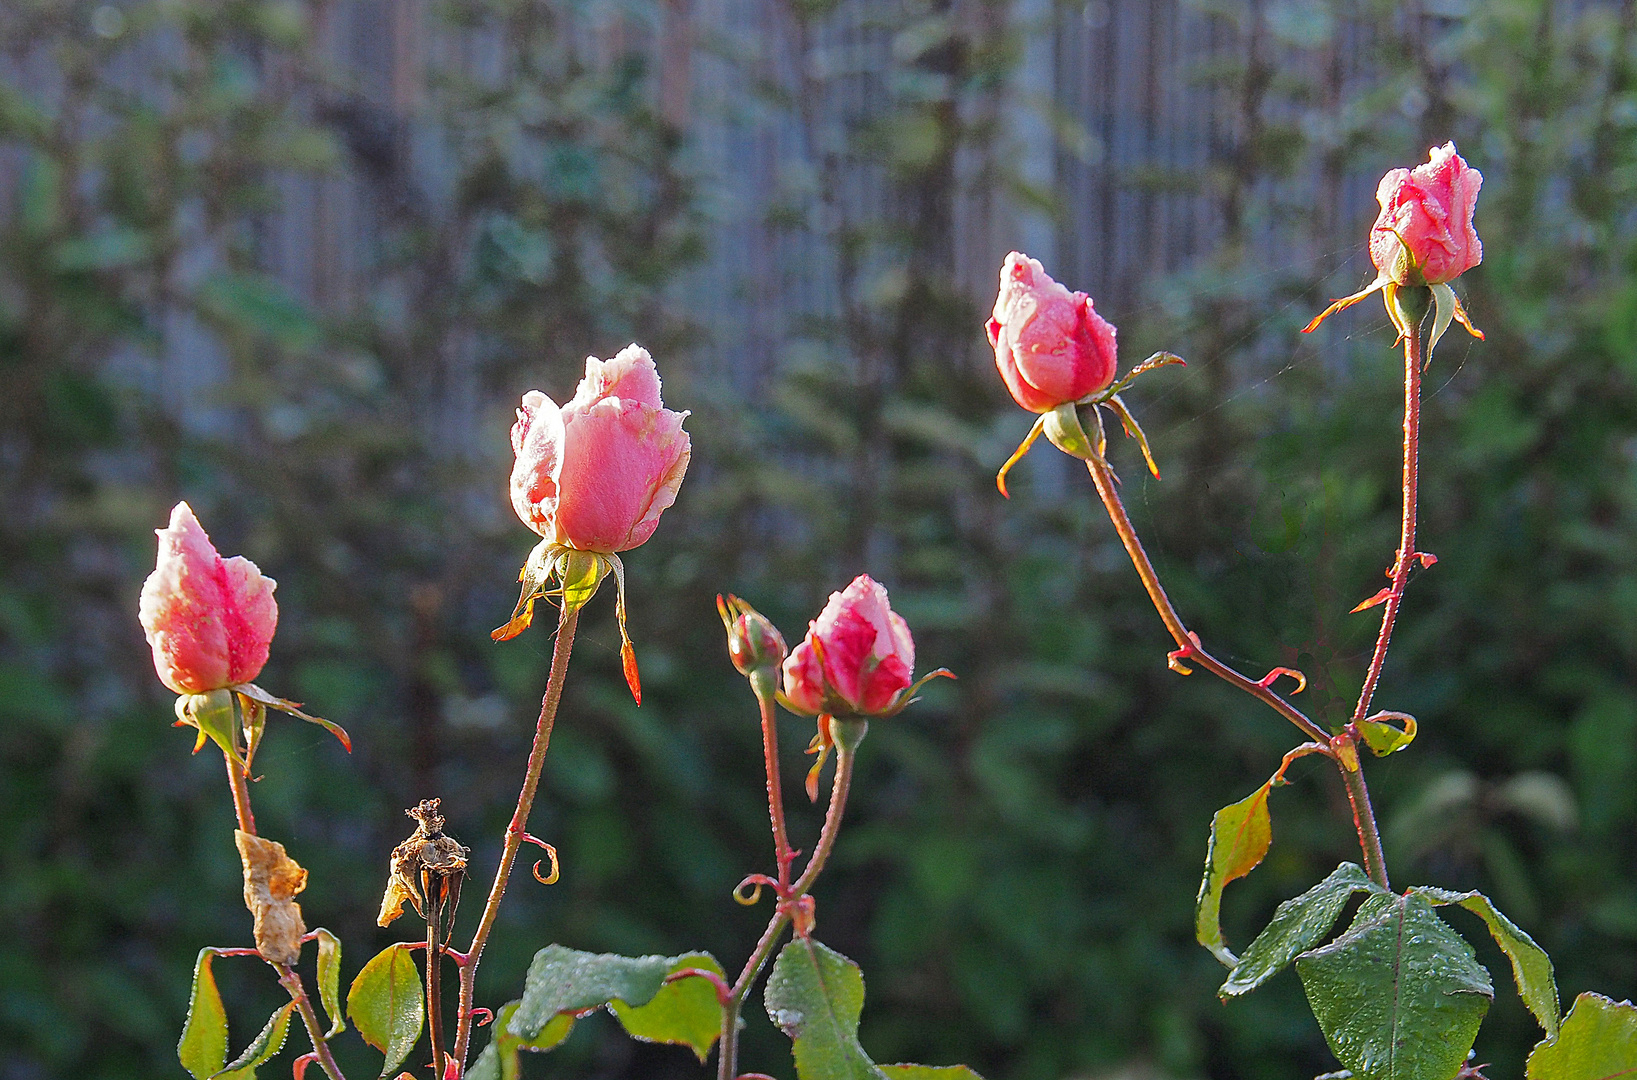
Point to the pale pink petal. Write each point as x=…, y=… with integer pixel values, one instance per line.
x=537, y=440
x=209, y=622
x=630, y=376
x=251, y=615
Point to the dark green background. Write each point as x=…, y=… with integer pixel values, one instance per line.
x=1018, y=874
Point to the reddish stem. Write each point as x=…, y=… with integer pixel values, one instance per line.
x=760, y=683
x=239, y=784
x=289, y=978
x=728, y=1048
x=1406, y=532
x=517, y=830
x=1188, y=646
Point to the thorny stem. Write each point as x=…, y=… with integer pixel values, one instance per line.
x=1187, y=643
x=727, y=1063
x=289, y=978
x=1364, y=820
x=1406, y=533
x=514, y=832
x=1369, y=836
x=1191, y=651
x=775, y=793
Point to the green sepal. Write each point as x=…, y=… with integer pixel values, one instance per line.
x=1597, y=1041
x=1240, y=836
x=387, y=1004
x=1062, y=426
x=269, y=1042
x=329, y=979
x=1134, y=430
x=293, y=708
x=1297, y=925
x=202, y=1048
x=1383, y=738
x=212, y=713
x=1400, y=995
x=1445, y=304
x=1531, y=967
x=580, y=572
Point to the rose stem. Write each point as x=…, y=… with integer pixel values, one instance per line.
x=289, y=978
x=566, y=623
x=728, y=1051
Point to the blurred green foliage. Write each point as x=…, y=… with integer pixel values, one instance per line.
x=1018, y=874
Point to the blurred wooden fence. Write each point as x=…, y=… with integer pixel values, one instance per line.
x=1108, y=109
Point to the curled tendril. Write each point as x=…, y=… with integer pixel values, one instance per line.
x=1268, y=680
x=481, y=1017
x=298, y=1068
x=551, y=853
x=755, y=881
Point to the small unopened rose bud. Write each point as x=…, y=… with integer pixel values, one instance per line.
x=754, y=643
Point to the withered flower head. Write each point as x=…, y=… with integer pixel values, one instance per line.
x=426, y=869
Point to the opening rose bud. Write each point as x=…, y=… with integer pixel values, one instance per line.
x=1051, y=346
x=1424, y=235
x=592, y=478
x=209, y=620
x=596, y=474
x=858, y=658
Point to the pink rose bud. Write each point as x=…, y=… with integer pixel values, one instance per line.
x=208, y=619
x=857, y=657
x=1424, y=235
x=753, y=642
x=1051, y=346
x=596, y=473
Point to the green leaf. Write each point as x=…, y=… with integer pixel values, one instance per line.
x=1400, y=995
x=1240, y=837
x=563, y=980
x=1297, y=925
x=329, y=979
x=1531, y=967
x=264, y=1046
x=1383, y=738
x=815, y=995
x=1598, y=1041
x=499, y=1059
x=929, y=1072
x=203, y=1046
x=685, y=1011
x=387, y=1006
